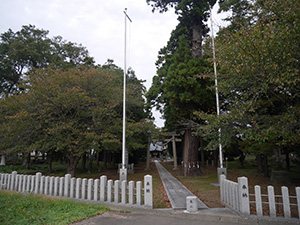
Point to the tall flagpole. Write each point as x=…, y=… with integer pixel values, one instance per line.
x=221, y=170
x=123, y=172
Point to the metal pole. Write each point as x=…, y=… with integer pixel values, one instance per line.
x=217, y=91
x=124, y=96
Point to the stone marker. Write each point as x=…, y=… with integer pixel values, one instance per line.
x=191, y=204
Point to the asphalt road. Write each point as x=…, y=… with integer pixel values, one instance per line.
x=175, y=217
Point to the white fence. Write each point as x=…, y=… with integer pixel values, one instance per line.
x=236, y=196
x=101, y=190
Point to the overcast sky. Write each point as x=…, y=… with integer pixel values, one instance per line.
x=99, y=26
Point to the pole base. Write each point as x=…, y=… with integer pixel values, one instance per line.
x=123, y=174
x=221, y=171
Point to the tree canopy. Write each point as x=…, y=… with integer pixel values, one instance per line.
x=259, y=76
x=31, y=48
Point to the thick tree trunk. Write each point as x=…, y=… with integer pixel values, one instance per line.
x=50, y=158
x=73, y=161
x=259, y=164
x=105, y=159
x=287, y=160
x=83, y=162
x=265, y=166
x=202, y=153
x=190, y=154
x=197, y=40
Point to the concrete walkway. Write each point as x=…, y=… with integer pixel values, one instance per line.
x=176, y=191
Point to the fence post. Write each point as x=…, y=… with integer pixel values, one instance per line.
x=32, y=183
x=131, y=192
x=13, y=180
x=148, y=192
x=109, y=190
x=298, y=200
x=139, y=193
x=37, y=182
x=61, y=186
x=222, y=178
x=78, y=185
x=83, y=188
x=117, y=191
x=42, y=185
x=271, y=197
x=90, y=191
x=103, y=180
x=51, y=185
x=124, y=192
x=67, y=185
x=24, y=183
x=244, y=195
x=286, y=202
x=72, y=187
x=258, y=201
x=46, y=189
x=96, y=189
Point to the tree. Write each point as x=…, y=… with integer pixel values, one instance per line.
x=261, y=90
x=31, y=48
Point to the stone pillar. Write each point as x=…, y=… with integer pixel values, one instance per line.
x=244, y=195
x=46, y=189
x=51, y=185
x=103, y=180
x=42, y=185
x=78, y=185
x=298, y=200
x=56, y=183
x=221, y=171
x=258, y=201
x=67, y=185
x=13, y=180
x=24, y=183
x=72, y=187
x=148, y=195
x=139, y=193
x=96, y=189
x=124, y=192
x=3, y=161
x=286, y=202
x=110, y=190
x=90, y=191
x=271, y=198
x=117, y=191
x=37, y=182
x=61, y=186
x=32, y=183
x=28, y=183
x=83, y=188
x=131, y=192
x=191, y=204
x=123, y=174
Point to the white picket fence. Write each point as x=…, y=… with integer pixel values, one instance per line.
x=236, y=196
x=101, y=190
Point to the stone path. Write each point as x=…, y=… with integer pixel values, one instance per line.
x=176, y=191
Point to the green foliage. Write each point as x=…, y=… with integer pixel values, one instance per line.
x=19, y=209
x=31, y=48
x=261, y=87
x=72, y=111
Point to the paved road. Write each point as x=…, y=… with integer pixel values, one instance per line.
x=176, y=191
x=175, y=217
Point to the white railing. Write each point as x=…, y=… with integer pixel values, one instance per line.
x=101, y=190
x=236, y=196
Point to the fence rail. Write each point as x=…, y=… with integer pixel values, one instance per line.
x=236, y=196
x=101, y=190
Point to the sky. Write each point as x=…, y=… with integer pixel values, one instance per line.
x=99, y=25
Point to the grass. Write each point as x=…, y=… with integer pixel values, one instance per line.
x=19, y=209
